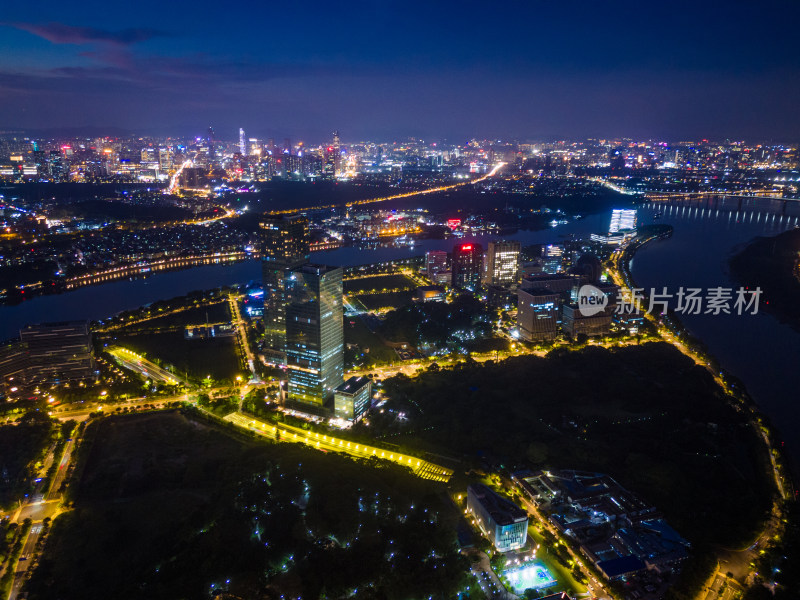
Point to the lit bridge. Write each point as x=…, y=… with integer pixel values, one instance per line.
x=288, y=433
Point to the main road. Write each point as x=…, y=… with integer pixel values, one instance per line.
x=147, y=369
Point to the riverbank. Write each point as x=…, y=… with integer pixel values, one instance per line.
x=673, y=331
x=773, y=265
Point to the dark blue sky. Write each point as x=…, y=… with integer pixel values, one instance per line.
x=385, y=69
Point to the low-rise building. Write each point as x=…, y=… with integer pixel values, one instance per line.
x=351, y=400
x=502, y=521
x=575, y=323
x=430, y=293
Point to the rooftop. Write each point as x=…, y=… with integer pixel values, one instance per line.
x=504, y=512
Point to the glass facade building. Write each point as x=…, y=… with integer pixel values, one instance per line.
x=502, y=521
x=314, y=333
x=284, y=246
x=467, y=266
x=59, y=351
x=501, y=263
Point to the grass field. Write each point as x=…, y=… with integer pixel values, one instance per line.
x=390, y=300
x=378, y=283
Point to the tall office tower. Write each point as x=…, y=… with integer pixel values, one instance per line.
x=210, y=140
x=314, y=334
x=59, y=351
x=622, y=219
x=435, y=262
x=501, y=263
x=148, y=155
x=58, y=169
x=467, y=266
x=537, y=313
x=284, y=246
x=242, y=143
x=166, y=159
x=337, y=161
x=553, y=258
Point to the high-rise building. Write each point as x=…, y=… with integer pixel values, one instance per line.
x=337, y=154
x=553, y=258
x=314, y=334
x=14, y=366
x=332, y=163
x=467, y=266
x=622, y=219
x=210, y=140
x=436, y=266
x=59, y=351
x=501, y=263
x=284, y=246
x=242, y=143
x=537, y=314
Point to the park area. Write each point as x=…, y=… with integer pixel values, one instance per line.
x=175, y=505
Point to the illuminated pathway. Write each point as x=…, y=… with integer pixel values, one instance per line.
x=241, y=334
x=287, y=433
x=435, y=190
x=139, y=364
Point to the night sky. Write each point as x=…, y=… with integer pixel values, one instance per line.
x=384, y=69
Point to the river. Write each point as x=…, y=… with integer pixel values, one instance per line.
x=757, y=349
x=101, y=301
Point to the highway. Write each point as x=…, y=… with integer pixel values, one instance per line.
x=40, y=507
x=287, y=433
x=435, y=190
x=241, y=335
x=142, y=366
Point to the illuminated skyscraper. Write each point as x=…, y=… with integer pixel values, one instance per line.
x=467, y=266
x=284, y=246
x=210, y=140
x=242, y=143
x=314, y=334
x=501, y=263
x=436, y=266
x=337, y=157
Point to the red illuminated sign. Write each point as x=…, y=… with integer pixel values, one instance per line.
x=466, y=247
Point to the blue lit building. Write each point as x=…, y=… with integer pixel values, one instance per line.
x=314, y=334
x=502, y=521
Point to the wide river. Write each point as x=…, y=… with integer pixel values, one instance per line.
x=756, y=348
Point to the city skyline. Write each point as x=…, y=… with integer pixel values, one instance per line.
x=443, y=71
